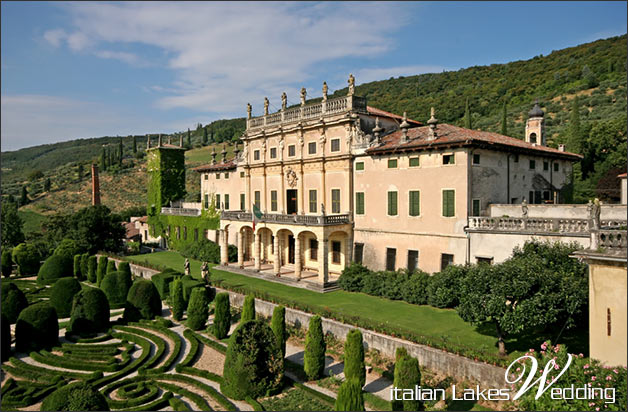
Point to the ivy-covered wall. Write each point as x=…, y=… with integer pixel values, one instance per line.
x=159, y=224
x=166, y=177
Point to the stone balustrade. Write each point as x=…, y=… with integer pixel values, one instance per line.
x=538, y=225
x=307, y=220
x=180, y=211
x=613, y=240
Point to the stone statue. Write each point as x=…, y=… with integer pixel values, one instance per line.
x=323, y=208
x=205, y=272
x=266, y=103
x=325, y=91
x=186, y=266
x=351, y=82
x=524, y=208
x=303, y=94
x=284, y=101
x=249, y=109
x=596, y=211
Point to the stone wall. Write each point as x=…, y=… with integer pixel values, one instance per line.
x=607, y=212
x=137, y=270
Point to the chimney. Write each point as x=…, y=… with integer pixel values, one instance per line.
x=561, y=147
x=224, y=153
x=95, y=186
x=180, y=140
x=147, y=141
x=404, y=128
x=214, y=155
x=433, y=122
x=159, y=142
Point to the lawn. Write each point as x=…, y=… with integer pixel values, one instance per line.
x=432, y=323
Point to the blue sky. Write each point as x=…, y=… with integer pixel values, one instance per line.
x=79, y=69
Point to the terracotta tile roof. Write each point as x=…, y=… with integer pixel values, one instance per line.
x=623, y=175
x=449, y=135
x=131, y=231
x=143, y=219
x=230, y=165
x=379, y=112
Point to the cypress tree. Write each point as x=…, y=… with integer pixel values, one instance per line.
x=92, y=264
x=47, y=185
x=120, y=152
x=467, y=115
x=248, y=309
x=134, y=144
x=77, y=266
x=103, y=159
x=80, y=171
x=575, y=133
x=176, y=299
x=102, y=269
x=354, y=357
x=222, y=316
x=315, y=347
x=111, y=266
x=24, y=196
x=407, y=375
x=278, y=325
x=504, y=120
x=350, y=396
x=84, y=265
x=189, y=138
x=198, y=309
x=204, y=136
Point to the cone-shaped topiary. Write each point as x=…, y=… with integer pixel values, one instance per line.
x=26, y=257
x=111, y=266
x=7, y=262
x=407, y=375
x=278, y=325
x=62, y=294
x=253, y=364
x=354, y=357
x=13, y=301
x=142, y=302
x=222, y=316
x=350, y=396
x=125, y=267
x=248, y=309
x=315, y=347
x=116, y=286
x=77, y=267
x=176, y=299
x=55, y=267
x=92, y=265
x=84, y=265
x=399, y=352
x=37, y=328
x=5, y=339
x=90, y=312
x=68, y=248
x=198, y=309
x=79, y=396
x=102, y=269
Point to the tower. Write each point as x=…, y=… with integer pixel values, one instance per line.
x=166, y=176
x=535, y=126
x=95, y=186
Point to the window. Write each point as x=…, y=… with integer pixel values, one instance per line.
x=217, y=176
x=226, y=202
x=292, y=149
x=185, y=233
x=537, y=197
x=206, y=201
x=484, y=260
x=206, y=175
x=177, y=231
x=256, y=155
x=392, y=203
x=446, y=260
x=205, y=233
x=516, y=158
x=359, y=165
x=217, y=201
x=414, y=200
x=195, y=234
x=273, y=152
x=335, y=145
x=449, y=203
x=335, y=252
x=392, y=163
x=414, y=162
x=556, y=167
x=273, y=200
x=227, y=175
x=546, y=195
x=311, y=148
x=545, y=165
x=608, y=321
x=532, y=164
x=391, y=257
x=358, y=251
x=532, y=137
x=145, y=235
x=475, y=207
x=242, y=201
x=313, y=249
x=413, y=260
x=257, y=198
x=476, y=159
x=168, y=232
x=359, y=203
x=335, y=200
x=313, y=201
x=531, y=197
x=449, y=159
x=241, y=174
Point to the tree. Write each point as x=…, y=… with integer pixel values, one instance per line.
x=111, y=266
x=407, y=376
x=143, y=301
x=54, y=268
x=248, y=309
x=61, y=295
x=90, y=312
x=467, y=115
x=102, y=269
x=13, y=301
x=103, y=159
x=176, y=299
x=47, y=185
x=24, y=196
x=134, y=144
x=350, y=396
x=315, y=347
x=354, y=357
x=116, y=286
x=84, y=266
x=26, y=257
x=120, y=152
x=189, y=140
x=79, y=396
x=80, y=171
x=504, y=120
x=35, y=175
x=77, y=266
x=7, y=262
x=12, y=225
x=278, y=325
x=222, y=316
x=198, y=309
x=5, y=339
x=93, y=228
x=92, y=264
x=204, y=136
x=37, y=328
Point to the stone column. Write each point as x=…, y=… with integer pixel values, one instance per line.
x=257, y=250
x=241, y=249
x=349, y=250
x=323, y=267
x=301, y=190
x=224, y=253
x=297, y=257
x=277, y=256
x=248, y=201
x=282, y=193
x=323, y=189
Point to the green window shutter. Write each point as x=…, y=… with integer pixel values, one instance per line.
x=359, y=203
x=392, y=203
x=359, y=166
x=414, y=203
x=414, y=161
x=449, y=201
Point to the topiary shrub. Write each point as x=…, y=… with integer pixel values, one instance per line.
x=78, y=396
x=26, y=257
x=354, y=357
x=84, y=265
x=400, y=352
x=77, y=267
x=7, y=262
x=222, y=316
x=278, y=325
x=190, y=283
x=350, y=396
x=37, y=328
x=90, y=312
x=116, y=286
x=407, y=375
x=62, y=294
x=67, y=248
x=92, y=265
x=13, y=301
x=125, y=267
x=5, y=339
x=55, y=267
x=315, y=347
x=253, y=363
x=176, y=299
x=198, y=309
x=352, y=277
x=102, y=269
x=444, y=287
x=111, y=266
x=163, y=280
x=142, y=301
x=415, y=288
x=248, y=309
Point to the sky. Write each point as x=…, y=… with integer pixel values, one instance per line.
x=88, y=69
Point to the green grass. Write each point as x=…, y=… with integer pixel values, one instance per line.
x=32, y=220
x=294, y=400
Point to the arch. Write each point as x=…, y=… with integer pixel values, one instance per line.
x=310, y=244
x=533, y=138
x=338, y=251
x=266, y=242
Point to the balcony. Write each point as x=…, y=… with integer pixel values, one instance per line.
x=301, y=220
x=309, y=111
x=180, y=211
x=538, y=225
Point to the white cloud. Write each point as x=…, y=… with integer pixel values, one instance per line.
x=55, y=37
x=125, y=57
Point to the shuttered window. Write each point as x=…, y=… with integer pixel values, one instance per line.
x=273, y=200
x=217, y=201
x=413, y=260
x=226, y=202
x=335, y=201
x=391, y=258
x=358, y=252
x=359, y=203
x=414, y=206
x=242, y=201
x=449, y=203
x=414, y=161
x=313, y=201
x=392, y=203
x=446, y=260
x=257, y=198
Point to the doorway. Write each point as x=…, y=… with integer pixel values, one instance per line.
x=290, y=249
x=291, y=199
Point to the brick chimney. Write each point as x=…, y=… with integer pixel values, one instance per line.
x=95, y=186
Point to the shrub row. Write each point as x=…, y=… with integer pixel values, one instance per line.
x=254, y=403
x=222, y=316
x=101, y=338
x=325, y=398
x=22, y=394
x=217, y=396
x=154, y=405
x=143, y=343
x=163, y=280
x=199, y=401
x=174, y=337
x=159, y=343
x=136, y=399
x=25, y=370
x=48, y=358
x=194, y=346
x=177, y=404
x=211, y=343
x=200, y=373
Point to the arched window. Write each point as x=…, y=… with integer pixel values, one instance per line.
x=532, y=137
